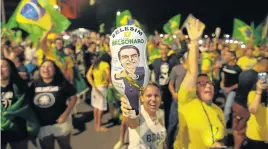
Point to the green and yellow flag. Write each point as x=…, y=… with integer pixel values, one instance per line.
x=261, y=31
x=36, y=17
x=101, y=30
x=172, y=24
x=242, y=31
x=123, y=18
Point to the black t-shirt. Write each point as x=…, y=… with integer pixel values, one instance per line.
x=18, y=131
x=231, y=74
x=247, y=80
x=50, y=100
x=162, y=69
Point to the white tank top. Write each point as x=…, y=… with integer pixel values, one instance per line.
x=149, y=134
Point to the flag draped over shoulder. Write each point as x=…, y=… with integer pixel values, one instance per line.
x=261, y=32
x=36, y=17
x=242, y=31
x=172, y=24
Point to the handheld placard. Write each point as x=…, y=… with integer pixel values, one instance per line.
x=130, y=73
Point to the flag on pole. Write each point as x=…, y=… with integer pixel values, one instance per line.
x=242, y=31
x=172, y=24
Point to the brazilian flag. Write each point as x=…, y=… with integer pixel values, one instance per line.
x=242, y=31
x=261, y=32
x=124, y=18
x=137, y=23
x=172, y=24
x=36, y=17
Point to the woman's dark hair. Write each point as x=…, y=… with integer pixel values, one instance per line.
x=58, y=75
x=14, y=77
x=128, y=47
x=59, y=39
x=202, y=75
x=97, y=61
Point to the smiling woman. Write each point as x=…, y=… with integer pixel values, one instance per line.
x=147, y=130
x=51, y=93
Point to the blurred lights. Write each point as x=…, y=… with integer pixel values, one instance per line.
x=235, y=41
x=231, y=41
x=226, y=36
x=243, y=46
x=213, y=35
x=66, y=37
x=186, y=36
x=118, y=13
x=206, y=36
x=174, y=36
x=81, y=29
x=161, y=35
x=56, y=6
x=227, y=41
x=200, y=41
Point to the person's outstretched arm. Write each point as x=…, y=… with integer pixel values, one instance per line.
x=189, y=81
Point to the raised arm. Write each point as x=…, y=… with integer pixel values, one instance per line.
x=194, y=32
x=253, y=105
x=43, y=43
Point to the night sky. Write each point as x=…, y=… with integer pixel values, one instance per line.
x=153, y=14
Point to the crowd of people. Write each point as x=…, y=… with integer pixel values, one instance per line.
x=179, y=106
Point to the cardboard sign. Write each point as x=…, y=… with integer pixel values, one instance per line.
x=190, y=20
x=130, y=72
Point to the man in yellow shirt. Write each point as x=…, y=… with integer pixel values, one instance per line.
x=201, y=123
x=57, y=55
x=248, y=61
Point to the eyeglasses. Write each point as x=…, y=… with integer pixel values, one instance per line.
x=203, y=84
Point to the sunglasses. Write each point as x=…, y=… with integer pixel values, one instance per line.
x=203, y=83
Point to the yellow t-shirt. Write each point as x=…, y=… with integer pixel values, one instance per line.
x=195, y=131
x=207, y=67
x=257, y=125
x=246, y=63
x=99, y=74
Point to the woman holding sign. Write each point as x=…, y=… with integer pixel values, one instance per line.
x=201, y=123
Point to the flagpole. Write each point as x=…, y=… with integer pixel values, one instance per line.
x=3, y=12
